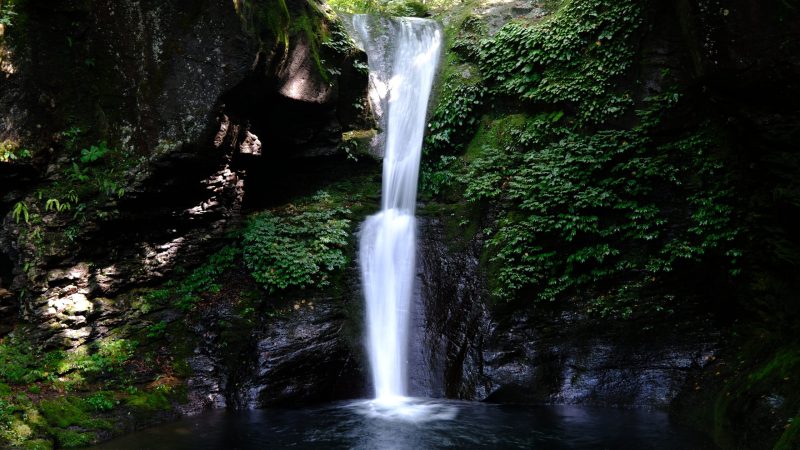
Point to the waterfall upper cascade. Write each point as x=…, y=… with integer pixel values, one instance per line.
x=403, y=55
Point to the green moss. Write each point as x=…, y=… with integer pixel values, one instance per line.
x=22, y=362
x=357, y=143
x=746, y=381
x=73, y=439
x=64, y=412
x=38, y=444
x=149, y=401
x=785, y=364
x=791, y=436
x=495, y=133
x=270, y=22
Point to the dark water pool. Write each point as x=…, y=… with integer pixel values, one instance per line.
x=418, y=424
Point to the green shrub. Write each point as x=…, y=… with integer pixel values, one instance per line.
x=583, y=205
x=101, y=401
x=575, y=56
x=298, y=246
x=156, y=330
x=7, y=410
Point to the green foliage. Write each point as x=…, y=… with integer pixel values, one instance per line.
x=157, y=330
x=456, y=115
x=37, y=444
x=22, y=419
x=102, y=358
x=356, y=6
x=101, y=401
x=7, y=410
x=94, y=153
x=581, y=206
x=587, y=208
x=574, y=57
x=465, y=41
x=20, y=212
x=404, y=8
x=440, y=175
x=266, y=20
x=71, y=137
x=7, y=13
x=21, y=362
x=338, y=40
x=297, y=246
x=279, y=28
x=88, y=174
x=11, y=151
x=73, y=439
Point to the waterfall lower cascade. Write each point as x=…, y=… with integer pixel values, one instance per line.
x=403, y=54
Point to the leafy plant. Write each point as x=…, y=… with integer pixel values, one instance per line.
x=586, y=209
x=94, y=153
x=299, y=246
x=456, y=116
x=157, y=330
x=582, y=207
x=101, y=401
x=573, y=57
x=53, y=204
x=11, y=151
x=20, y=211
x=7, y=14
x=71, y=136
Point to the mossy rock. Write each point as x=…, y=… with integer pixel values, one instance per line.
x=38, y=444
x=73, y=439
x=791, y=437
x=358, y=143
x=65, y=412
x=149, y=401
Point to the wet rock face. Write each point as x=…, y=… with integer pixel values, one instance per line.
x=565, y=358
x=451, y=318
x=299, y=354
x=303, y=358
x=546, y=354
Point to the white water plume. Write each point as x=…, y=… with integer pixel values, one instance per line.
x=403, y=79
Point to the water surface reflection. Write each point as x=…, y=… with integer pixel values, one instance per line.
x=422, y=424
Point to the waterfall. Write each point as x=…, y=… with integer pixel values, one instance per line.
x=403, y=55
